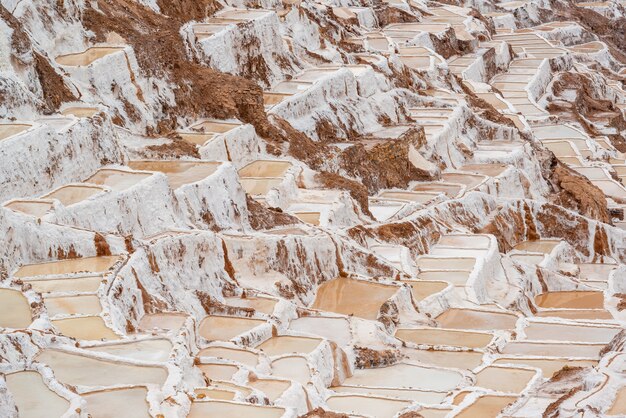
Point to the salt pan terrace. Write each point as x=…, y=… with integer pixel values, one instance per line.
x=226, y=19
x=87, y=57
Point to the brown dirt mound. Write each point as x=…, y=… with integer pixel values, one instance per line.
x=321, y=413
x=263, y=217
x=357, y=191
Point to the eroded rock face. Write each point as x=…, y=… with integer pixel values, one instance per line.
x=312, y=209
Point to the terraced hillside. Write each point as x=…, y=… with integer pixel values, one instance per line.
x=312, y=208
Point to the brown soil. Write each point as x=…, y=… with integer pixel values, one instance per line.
x=263, y=217
x=102, y=246
x=367, y=358
x=357, y=191
x=321, y=413
x=175, y=149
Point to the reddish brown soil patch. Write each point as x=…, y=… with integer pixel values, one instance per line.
x=102, y=246
x=367, y=358
x=262, y=217
x=356, y=189
x=321, y=413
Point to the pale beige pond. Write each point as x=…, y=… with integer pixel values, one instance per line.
x=37, y=208
x=465, y=241
x=421, y=289
x=72, y=194
x=540, y=246
x=547, y=366
x=212, y=393
x=241, y=356
x=438, y=336
x=157, y=350
x=334, y=329
x=72, y=305
x=75, y=265
x=312, y=218
x=286, y=344
x=409, y=196
x=293, y=368
x=457, y=278
x=115, y=403
x=272, y=388
x=218, y=371
x=421, y=396
x=467, y=360
x=575, y=314
x=215, y=126
x=571, y=299
x=619, y=404
x=14, y=309
x=259, y=186
x=32, y=397
x=85, y=328
x=75, y=369
x=179, y=173
x=528, y=258
x=223, y=409
x=168, y=321
x=529, y=348
x=446, y=263
x=565, y=332
x=265, y=168
x=86, y=57
x=407, y=376
x=366, y=405
x=353, y=297
x=226, y=327
x=259, y=304
x=472, y=319
x=196, y=138
x=9, y=129
x=504, y=379
x=78, y=284
x=450, y=190
x=117, y=180
x=486, y=406
x=80, y=111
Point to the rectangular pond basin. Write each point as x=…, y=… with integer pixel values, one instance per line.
x=122, y=402
x=334, y=329
x=449, y=337
x=449, y=189
x=74, y=193
x=72, y=305
x=545, y=331
x=153, y=350
x=353, y=297
x=457, y=278
x=575, y=314
x=87, y=284
x=619, y=404
x=467, y=360
x=224, y=328
x=595, y=271
x=548, y=366
x=421, y=396
x=265, y=168
x=504, y=379
x=292, y=368
x=259, y=186
x=459, y=318
x=80, y=111
x=216, y=371
x=571, y=299
x=9, y=129
x=366, y=405
x=223, y=409
x=425, y=262
x=544, y=246
x=272, y=388
x=287, y=344
x=75, y=265
x=82, y=370
x=406, y=376
x=166, y=321
x=543, y=349
x=246, y=357
x=117, y=180
x=32, y=397
x=487, y=406
x=85, y=328
x=179, y=172
x=423, y=198
x=34, y=207
x=14, y=309
x=214, y=393
x=86, y=57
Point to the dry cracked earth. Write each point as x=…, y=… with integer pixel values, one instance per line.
x=312, y=208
